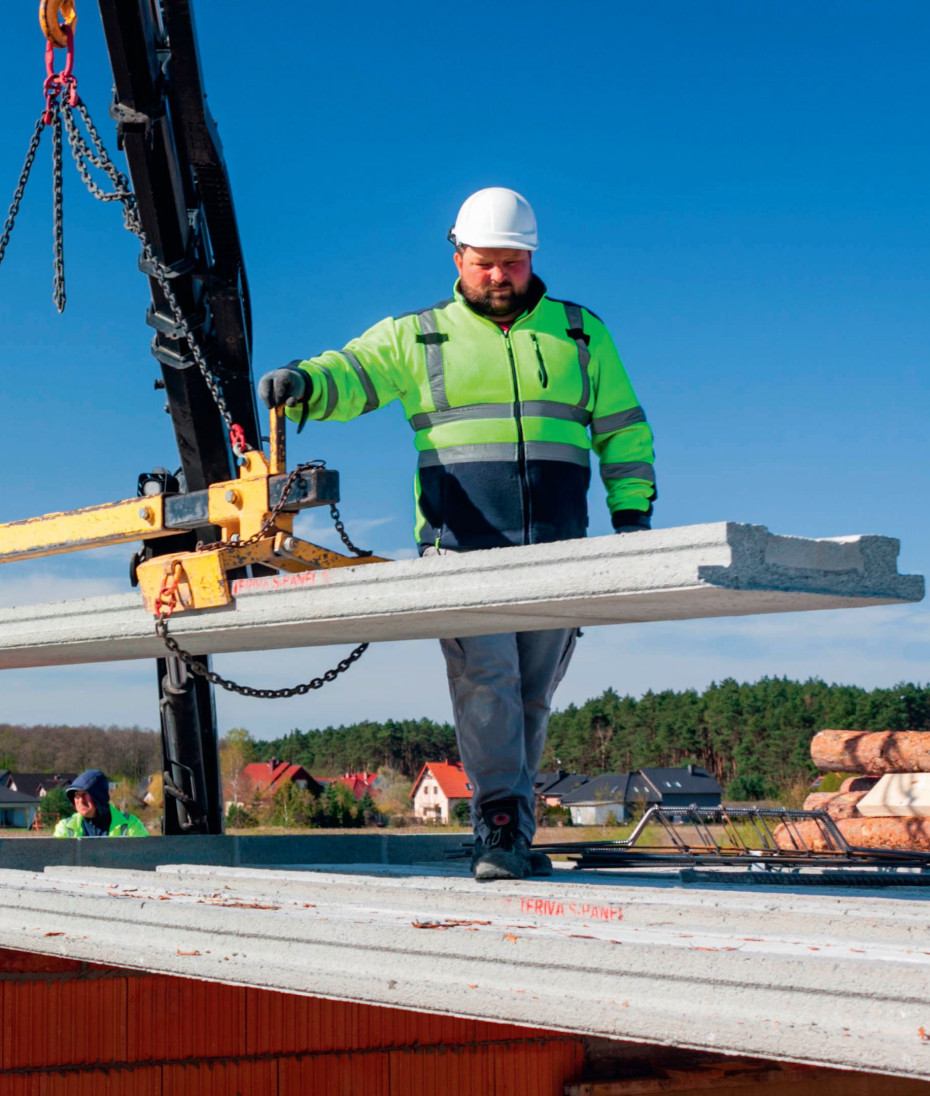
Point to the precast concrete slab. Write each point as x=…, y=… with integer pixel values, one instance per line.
x=720, y=569
x=834, y=978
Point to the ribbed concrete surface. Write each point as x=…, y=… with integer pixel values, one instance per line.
x=839, y=978
x=722, y=569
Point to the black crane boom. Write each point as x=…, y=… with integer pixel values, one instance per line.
x=182, y=191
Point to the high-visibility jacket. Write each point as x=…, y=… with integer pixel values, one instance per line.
x=501, y=419
x=121, y=825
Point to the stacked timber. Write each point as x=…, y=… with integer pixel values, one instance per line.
x=886, y=805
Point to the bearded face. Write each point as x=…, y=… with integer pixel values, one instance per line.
x=495, y=281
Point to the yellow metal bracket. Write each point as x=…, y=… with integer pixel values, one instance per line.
x=240, y=507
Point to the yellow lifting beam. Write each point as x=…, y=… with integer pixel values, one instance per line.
x=252, y=531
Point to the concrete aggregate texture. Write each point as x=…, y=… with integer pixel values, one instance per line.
x=718, y=569
x=834, y=977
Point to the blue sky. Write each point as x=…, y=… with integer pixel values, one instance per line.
x=737, y=188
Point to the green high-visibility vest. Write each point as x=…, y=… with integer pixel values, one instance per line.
x=503, y=421
x=121, y=825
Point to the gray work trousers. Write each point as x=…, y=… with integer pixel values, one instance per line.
x=502, y=687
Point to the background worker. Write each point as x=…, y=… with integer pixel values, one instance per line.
x=94, y=815
x=500, y=384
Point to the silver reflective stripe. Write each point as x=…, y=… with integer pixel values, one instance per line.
x=549, y=409
x=460, y=454
x=433, y=349
x=531, y=408
x=576, y=323
x=556, y=450
x=332, y=392
x=504, y=451
x=371, y=396
x=609, y=423
x=638, y=469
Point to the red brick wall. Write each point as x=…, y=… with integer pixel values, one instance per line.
x=80, y=1029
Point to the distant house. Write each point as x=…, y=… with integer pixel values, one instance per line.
x=264, y=778
x=438, y=789
x=611, y=794
x=360, y=784
x=37, y=785
x=684, y=787
x=17, y=810
x=544, y=781
x=555, y=793
x=623, y=795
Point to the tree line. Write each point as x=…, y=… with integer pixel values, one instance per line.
x=754, y=738
x=127, y=753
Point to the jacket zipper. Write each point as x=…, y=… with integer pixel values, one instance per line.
x=543, y=375
x=521, y=446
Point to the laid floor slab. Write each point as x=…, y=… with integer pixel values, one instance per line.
x=720, y=569
x=837, y=978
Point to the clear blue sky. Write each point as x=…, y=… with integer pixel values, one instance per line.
x=738, y=188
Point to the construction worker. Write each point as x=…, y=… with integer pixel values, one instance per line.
x=500, y=384
x=94, y=814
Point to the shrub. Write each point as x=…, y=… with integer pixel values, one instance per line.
x=54, y=805
x=461, y=813
x=830, y=782
x=556, y=816
x=238, y=817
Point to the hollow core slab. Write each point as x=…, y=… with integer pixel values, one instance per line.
x=720, y=569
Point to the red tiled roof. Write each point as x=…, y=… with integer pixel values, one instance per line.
x=267, y=779
x=359, y=783
x=450, y=776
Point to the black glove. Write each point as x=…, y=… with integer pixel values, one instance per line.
x=289, y=386
x=630, y=521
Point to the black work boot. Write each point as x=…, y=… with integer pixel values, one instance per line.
x=540, y=864
x=505, y=852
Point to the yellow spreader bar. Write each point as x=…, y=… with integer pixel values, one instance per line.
x=73, y=530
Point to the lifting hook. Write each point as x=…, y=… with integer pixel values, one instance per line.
x=55, y=16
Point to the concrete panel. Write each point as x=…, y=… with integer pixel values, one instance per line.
x=839, y=978
x=232, y=850
x=721, y=569
x=902, y=794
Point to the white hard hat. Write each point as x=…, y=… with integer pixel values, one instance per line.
x=496, y=217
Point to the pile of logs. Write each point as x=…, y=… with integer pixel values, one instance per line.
x=886, y=805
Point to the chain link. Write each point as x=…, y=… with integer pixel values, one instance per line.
x=98, y=156
x=21, y=185
x=341, y=530
x=167, y=601
x=201, y=670
x=269, y=524
x=58, y=293
x=95, y=154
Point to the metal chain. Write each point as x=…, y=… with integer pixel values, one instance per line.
x=168, y=599
x=269, y=524
x=96, y=154
x=83, y=155
x=341, y=530
x=100, y=158
x=21, y=185
x=58, y=293
x=201, y=670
